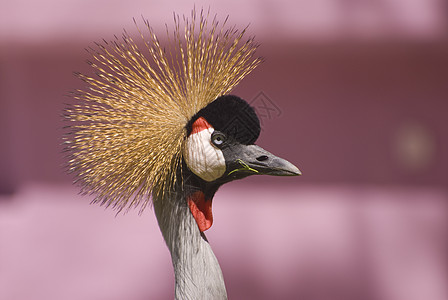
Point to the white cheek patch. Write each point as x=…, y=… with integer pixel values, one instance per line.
x=204, y=159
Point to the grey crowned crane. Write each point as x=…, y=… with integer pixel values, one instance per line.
x=161, y=128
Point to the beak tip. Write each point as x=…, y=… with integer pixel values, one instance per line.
x=296, y=171
x=286, y=168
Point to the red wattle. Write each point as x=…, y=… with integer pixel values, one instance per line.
x=201, y=210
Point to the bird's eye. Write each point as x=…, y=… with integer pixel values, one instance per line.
x=218, y=138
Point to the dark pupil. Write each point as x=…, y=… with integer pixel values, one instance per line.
x=218, y=138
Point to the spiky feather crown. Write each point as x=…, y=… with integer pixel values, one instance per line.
x=128, y=126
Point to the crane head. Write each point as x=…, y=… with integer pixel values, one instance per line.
x=145, y=115
x=220, y=148
x=220, y=143
x=158, y=125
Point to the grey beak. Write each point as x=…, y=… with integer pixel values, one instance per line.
x=252, y=159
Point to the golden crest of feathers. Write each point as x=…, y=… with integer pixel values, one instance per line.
x=127, y=127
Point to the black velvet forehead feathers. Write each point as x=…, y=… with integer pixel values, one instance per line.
x=231, y=115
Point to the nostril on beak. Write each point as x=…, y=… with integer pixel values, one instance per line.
x=262, y=158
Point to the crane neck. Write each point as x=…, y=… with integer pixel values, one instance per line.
x=196, y=269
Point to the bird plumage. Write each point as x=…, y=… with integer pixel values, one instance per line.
x=162, y=126
x=129, y=125
x=196, y=269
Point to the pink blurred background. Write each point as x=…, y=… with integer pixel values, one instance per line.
x=355, y=93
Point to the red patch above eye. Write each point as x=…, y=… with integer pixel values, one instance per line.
x=199, y=125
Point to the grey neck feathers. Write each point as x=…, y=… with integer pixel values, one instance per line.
x=196, y=269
